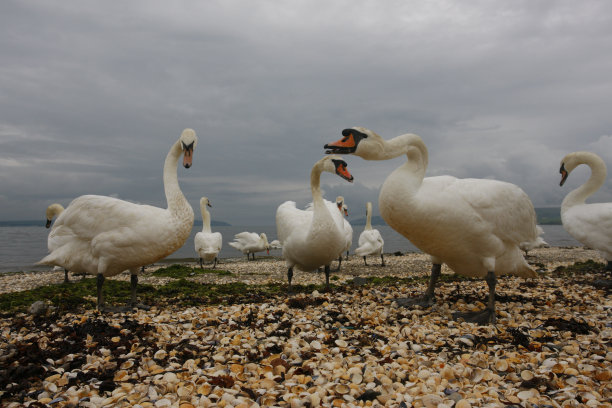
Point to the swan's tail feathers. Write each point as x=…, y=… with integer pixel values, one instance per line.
x=364, y=250
x=235, y=245
x=536, y=243
x=48, y=260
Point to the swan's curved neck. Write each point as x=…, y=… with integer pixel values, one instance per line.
x=412, y=146
x=177, y=203
x=368, y=225
x=595, y=181
x=315, y=185
x=205, y=219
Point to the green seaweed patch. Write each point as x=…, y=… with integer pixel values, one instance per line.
x=177, y=271
x=581, y=268
x=395, y=280
x=68, y=297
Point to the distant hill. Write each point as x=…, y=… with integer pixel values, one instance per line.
x=41, y=223
x=213, y=223
x=549, y=215
x=546, y=216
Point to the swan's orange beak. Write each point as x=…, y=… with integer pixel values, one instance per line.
x=187, y=155
x=343, y=146
x=48, y=224
x=564, y=174
x=346, y=212
x=342, y=171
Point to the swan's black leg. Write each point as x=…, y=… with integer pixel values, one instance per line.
x=382, y=259
x=134, y=283
x=347, y=254
x=427, y=299
x=609, y=266
x=215, y=263
x=487, y=315
x=290, y=277
x=99, y=283
x=201, y=264
x=364, y=261
x=66, y=280
x=327, y=268
x=339, y=262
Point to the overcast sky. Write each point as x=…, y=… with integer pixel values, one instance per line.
x=93, y=94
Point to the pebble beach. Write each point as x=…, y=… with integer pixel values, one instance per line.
x=350, y=346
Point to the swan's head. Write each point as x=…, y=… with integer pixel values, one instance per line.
x=53, y=211
x=573, y=160
x=339, y=202
x=204, y=201
x=335, y=164
x=358, y=141
x=188, y=142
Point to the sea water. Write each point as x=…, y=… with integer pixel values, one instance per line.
x=22, y=246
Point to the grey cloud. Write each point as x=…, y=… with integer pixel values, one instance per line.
x=92, y=95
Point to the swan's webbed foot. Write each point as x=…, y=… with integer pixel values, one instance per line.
x=423, y=301
x=486, y=316
x=481, y=317
x=428, y=298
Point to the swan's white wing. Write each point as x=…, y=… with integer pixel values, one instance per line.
x=370, y=242
x=500, y=208
x=590, y=224
x=208, y=242
x=289, y=219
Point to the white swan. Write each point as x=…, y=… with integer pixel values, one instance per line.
x=53, y=211
x=590, y=224
x=348, y=230
x=475, y=226
x=370, y=240
x=250, y=242
x=276, y=244
x=105, y=236
x=313, y=238
x=207, y=243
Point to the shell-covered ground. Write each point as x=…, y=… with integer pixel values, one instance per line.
x=349, y=346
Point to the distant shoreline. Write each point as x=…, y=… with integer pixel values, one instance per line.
x=546, y=216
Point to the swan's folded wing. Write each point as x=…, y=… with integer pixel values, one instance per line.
x=502, y=205
x=246, y=238
x=370, y=242
x=289, y=218
x=591, y=224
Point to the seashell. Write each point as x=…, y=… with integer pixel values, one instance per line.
x=170, y=378
x=342, y=389
x=341, y=343
x=525, y=395
x=501, y=365
x=431, y=400
x=236, y=368
x=356, y=378
x=127, y=364
x=120, y=375
x=477, y=375
x=527, y=375
x=463, y=404
x=160, y=354
x=204, y=389
x=315, y=344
